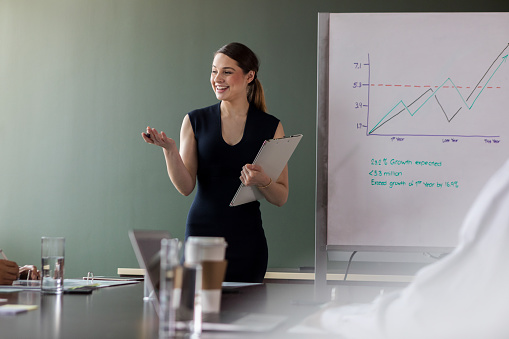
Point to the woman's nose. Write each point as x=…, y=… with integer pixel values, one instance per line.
x=218, y=78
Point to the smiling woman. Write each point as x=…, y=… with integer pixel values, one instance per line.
x=243, y=58
x=218, y=142
x=228, y=80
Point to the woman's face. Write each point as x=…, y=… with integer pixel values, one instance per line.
x=228, y=80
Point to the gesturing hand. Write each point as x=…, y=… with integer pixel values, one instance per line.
x=158, y=139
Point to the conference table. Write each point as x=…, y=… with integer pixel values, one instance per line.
x=122, y=312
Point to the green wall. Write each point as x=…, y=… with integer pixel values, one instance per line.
x=81, y=79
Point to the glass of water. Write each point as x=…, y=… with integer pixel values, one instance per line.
x=169, y=263
x=52, y=256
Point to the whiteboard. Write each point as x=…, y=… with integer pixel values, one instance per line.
x=417, y=123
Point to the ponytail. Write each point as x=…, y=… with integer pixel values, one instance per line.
x=256, y=96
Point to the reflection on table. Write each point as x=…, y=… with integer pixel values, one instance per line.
x=121, y=312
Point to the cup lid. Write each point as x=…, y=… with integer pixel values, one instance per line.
x=207, y=241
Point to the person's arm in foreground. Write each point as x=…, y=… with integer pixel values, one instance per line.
x=9, y=271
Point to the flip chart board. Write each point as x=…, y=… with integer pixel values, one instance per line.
x=416, y=123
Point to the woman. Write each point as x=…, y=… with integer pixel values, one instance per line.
x=218, y=142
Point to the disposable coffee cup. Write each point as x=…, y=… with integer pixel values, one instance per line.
x=212, y=281
x=205, y=248
x=210, y=253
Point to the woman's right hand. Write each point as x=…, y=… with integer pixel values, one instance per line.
x=181, y=164
x=158, y=139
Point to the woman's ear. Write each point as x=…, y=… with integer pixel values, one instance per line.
x=250, y=76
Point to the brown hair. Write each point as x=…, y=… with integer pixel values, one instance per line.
x=247, y=61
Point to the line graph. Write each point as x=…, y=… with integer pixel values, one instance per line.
x=426, y=97
x=416, y=123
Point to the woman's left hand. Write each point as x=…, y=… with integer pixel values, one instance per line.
x=253, y=175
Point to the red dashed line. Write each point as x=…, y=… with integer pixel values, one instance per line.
x=428, y=86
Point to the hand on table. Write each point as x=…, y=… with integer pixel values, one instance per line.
x=9, y=271
x=29, y=272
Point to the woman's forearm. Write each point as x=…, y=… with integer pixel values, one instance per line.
x=276, y=193
x=179, y=175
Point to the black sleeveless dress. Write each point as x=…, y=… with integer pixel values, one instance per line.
x=219, y=168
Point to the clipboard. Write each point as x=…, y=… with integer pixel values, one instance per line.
x=273, y=157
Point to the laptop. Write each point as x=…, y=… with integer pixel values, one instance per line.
x=147, y=246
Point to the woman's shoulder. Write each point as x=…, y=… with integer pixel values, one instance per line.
x=205, y=117
x=205, y=110
x=263, y=116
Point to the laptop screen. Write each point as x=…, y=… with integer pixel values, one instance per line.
x=147, y=246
